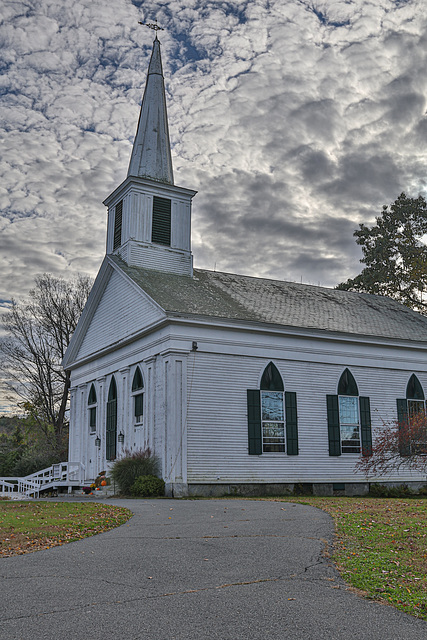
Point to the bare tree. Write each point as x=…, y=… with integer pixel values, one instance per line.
x=38, y=333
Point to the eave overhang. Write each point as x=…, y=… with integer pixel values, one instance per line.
x=253, y=327
x=160, y=188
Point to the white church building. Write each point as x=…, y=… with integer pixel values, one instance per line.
x=238, y=384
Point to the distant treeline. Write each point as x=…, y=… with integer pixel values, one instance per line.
x=22, y=450
x=9, y=423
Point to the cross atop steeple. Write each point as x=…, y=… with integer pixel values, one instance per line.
x=152, y=25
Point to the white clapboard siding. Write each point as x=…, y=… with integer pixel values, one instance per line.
x=217, y=419
x=159, y=258
x=120, y=313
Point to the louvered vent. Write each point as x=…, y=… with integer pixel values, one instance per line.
x=161, y=229
x=118, y=225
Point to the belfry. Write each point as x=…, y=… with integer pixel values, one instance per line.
x=149, y=218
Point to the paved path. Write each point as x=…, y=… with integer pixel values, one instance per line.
x=195, y=570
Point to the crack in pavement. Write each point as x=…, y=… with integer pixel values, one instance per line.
x=221, y=537
x=146, y=597
x=82, y=607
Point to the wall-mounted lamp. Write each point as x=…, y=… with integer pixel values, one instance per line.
x=98, y=442
x=194, y=346
x=121, y=437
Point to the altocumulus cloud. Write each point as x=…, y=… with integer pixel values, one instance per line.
x=295, y=120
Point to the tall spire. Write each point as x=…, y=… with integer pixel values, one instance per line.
x=151, y=153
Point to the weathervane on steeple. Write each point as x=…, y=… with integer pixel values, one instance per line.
x=152, y=25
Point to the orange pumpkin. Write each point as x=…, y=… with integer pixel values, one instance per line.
x=103, y=483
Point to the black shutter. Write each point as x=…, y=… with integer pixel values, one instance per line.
x=161, y=221
x=365, y=424
x=402, y=417
x=254, y=422
x=333, y=426
x=291, y=423
x=117, y=241
x=111, y=430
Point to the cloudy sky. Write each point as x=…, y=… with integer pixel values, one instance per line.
x=294, y=119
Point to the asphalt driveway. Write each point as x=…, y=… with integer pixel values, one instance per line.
x=195, y=570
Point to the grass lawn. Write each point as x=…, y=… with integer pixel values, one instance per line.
x=381, y=547
x=31, y=526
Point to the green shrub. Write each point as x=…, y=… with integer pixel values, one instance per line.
x=378, y=490
x=303, y=489
x=134, y=464
x=382, y=491
x=146, y=486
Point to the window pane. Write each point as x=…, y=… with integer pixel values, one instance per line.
x=350, y=447
x=349, y=410
x=415, y=406
x=92, y=419
x=92, y=395
x=414, y=390
x=112, y=391
x=350, y=433
x=349, y=424
x=273, y=436
x=273, y=430
x=139, y=405
x=271, y=379
x=267, y=447
x=137, y=380
x=272, y=405
x=347, y=385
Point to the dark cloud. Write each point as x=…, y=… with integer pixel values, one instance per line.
x=315, y=165
x=362, y=178
x=295, y=121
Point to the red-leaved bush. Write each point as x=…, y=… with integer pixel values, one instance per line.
x=398, y=445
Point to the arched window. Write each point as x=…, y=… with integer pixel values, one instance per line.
x=138, y=398
x=348, y=403
x=272, y=410
x=347, y=385
x=271, y=379
x=349, y=419
x=272, y=416
x=111, y=427
x=414, y=396
x=412, y=405
x=92, y=401
x=414, y=401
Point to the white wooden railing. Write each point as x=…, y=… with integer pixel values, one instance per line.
x=6, y=488
x=63, y=474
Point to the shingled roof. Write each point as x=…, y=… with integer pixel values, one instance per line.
x=229, y=296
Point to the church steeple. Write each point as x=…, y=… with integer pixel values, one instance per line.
x=151, y=154
x=149, y=218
